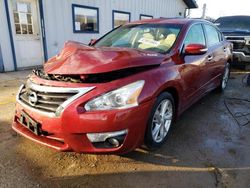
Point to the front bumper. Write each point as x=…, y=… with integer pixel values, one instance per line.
x=68, y=132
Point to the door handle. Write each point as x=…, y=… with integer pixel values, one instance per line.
x=210, y=58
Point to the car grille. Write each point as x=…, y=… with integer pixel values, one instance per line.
x=240, y=43
x=48, y=99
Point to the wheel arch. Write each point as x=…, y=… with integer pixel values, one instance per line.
x=175, y=94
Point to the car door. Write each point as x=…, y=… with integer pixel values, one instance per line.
x=216, y=56
x=193, y=70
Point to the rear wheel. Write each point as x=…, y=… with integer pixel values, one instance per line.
x=225, y=78
x=160, y=121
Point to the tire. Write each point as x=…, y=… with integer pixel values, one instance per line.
x=224, y=79
x=158, y=128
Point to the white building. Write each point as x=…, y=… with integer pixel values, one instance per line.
x=31, y=31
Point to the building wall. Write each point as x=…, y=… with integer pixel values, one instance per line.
x=58, y=17
x=5, y=40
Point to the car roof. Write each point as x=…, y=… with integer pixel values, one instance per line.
x=181, y=21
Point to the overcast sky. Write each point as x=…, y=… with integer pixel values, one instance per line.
x=217, y=8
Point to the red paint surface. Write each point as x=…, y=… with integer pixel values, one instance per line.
x=190, y=77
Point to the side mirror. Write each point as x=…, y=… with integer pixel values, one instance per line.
x=92, y=42
x=195, y=49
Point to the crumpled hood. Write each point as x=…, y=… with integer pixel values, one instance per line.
x=76, y=58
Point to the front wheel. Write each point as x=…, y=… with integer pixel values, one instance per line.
x=160, y=121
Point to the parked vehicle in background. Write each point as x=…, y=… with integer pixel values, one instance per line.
x=125, y=89
x=237, y=30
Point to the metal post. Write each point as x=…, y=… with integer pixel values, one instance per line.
x=204, y=11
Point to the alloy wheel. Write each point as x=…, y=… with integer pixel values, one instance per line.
x=225, y=77
x=162, y=120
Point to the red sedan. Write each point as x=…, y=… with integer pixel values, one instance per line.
x=124, y=89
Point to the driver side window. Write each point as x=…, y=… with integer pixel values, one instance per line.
x=195, y=35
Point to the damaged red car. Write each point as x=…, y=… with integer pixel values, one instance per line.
x=124, y=89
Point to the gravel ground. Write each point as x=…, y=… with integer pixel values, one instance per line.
x=209, y=147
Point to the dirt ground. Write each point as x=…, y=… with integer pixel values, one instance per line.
x=209, y=147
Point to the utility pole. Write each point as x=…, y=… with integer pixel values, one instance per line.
x=204, y=11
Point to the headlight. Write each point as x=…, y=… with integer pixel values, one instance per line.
x=124, y=97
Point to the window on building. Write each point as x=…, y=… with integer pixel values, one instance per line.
x=195, y=35
x=120, y=18
x=145, y=17
x=212, y=35
x=85, y=19
x=23, y=18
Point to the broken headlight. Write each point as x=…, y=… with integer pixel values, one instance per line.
x=124, y=97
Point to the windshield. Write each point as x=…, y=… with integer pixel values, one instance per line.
x=237, y=22
x=152, y=37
